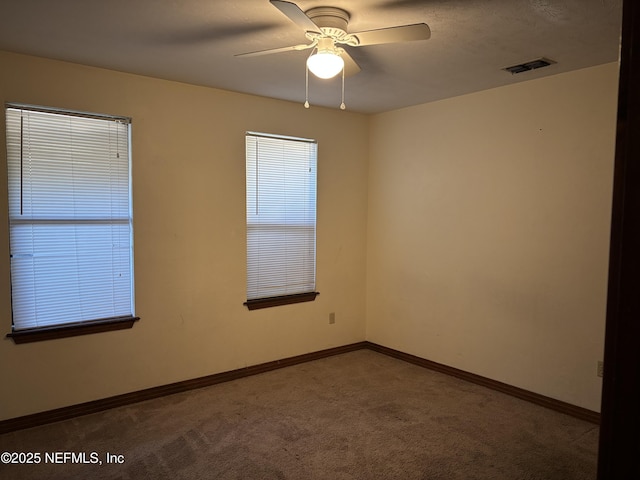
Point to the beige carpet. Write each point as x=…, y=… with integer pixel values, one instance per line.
x=360, y=415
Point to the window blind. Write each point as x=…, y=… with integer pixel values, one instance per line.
x=281, y=215
x=70, y=217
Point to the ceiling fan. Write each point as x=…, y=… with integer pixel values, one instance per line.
x=326, y=29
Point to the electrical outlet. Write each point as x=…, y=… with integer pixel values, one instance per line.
x=332, y=318
x=600, y=370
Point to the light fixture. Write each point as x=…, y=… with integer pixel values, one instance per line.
x=326, y=62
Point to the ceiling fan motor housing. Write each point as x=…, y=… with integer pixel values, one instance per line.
x=333, y=23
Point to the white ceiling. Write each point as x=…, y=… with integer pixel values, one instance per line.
x=194, y=41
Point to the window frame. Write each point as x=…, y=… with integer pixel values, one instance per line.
x=28, y=334
x=288, y=298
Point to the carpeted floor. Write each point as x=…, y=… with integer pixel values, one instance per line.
x=360, y=415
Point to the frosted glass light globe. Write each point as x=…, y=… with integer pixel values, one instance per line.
x=325, y=64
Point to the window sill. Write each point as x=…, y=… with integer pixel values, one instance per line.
x=282, y=300
x=72, y=329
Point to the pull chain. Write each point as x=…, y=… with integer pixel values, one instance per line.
x=306, y=84
x=342, y=105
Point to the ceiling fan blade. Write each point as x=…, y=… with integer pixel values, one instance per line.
x=296, y=15
x=350, y=65
x=275, y=50
x=405, y=33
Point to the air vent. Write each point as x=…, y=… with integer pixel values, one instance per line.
x=532, y=65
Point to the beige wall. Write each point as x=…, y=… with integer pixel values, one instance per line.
x=488, y=231
x=188, y=194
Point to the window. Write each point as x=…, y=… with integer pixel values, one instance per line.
x=70, y=222
x=281, y=220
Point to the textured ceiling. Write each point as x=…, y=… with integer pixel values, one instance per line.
x=194, y=41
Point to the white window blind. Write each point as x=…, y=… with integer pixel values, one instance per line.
x=281, y=215
x=70, y=217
